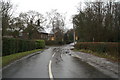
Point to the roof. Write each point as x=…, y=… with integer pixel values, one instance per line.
x=39, y=30
x=51, y=32
x=42, y=31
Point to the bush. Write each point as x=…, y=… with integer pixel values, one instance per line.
x=102, y=47
x=12, y=45
x=54, y=43
x=40, y=44
x=51, y=42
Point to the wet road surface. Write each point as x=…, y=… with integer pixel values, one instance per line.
x=63, y=65
x=33, y=67
x=66, y=66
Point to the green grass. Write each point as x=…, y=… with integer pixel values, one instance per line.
x=10, y=58
x=102, y=55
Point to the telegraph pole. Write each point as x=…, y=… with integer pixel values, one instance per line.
x=53, y=24
x=74, y=32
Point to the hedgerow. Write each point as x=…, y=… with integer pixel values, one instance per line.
x=54, y=43
x=12, y=45
x=40, y=44
x=111, y=48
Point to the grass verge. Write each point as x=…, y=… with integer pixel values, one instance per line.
x=10, y=58
x=102, y=55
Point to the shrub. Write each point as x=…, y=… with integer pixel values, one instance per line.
x=40, y=44
x=51, y=42
x=54, y=43
x=102, y=47
x=12, y=45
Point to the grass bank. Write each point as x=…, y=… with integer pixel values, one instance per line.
x=102, y=55
x=10, y=58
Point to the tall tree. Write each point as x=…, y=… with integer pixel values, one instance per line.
x=56, y=20
x=98, y=21
x=34, y=21
x=6, y=15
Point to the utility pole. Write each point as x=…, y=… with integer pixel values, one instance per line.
x=53, y=24
x=93, y=39
x=74, y=32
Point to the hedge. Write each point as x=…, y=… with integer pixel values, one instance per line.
x=12, y=45
x=40, y=44
x=102, y=47
x=54, y=43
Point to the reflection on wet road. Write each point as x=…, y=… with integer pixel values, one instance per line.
x=63, y=65
x=32, y=67
x=68, y=66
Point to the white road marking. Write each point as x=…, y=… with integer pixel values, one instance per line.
x=53, y=55
x=61, y=55
x=50, y=71
x=73, y=56
x=50, y=68
x=78, y=56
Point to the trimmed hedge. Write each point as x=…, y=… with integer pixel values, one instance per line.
x=54, y=43
x=12, y=45
x=40, y=44
x=102, y=47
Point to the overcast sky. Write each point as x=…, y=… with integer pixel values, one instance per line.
x=67, y=7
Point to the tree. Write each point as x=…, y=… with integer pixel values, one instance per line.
x=98, y=21
x=16, y=25
x=6, y=15
x=34, y=21
x=56, y=20
x=69, y=37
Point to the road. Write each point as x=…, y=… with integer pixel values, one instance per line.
x=54, y=62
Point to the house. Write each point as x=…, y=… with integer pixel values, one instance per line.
x=51, y=36
x=34, y=34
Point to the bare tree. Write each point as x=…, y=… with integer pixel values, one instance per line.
x=5, y=10
x=56, y=20
x=34, y=21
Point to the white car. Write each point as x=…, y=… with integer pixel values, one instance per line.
x=72, y=44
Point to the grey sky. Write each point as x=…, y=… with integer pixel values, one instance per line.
x=67, y=7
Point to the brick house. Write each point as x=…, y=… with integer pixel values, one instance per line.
x=35, y=35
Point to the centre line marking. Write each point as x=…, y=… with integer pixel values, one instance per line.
x=50, y=68
x=50, y=71
x=53, y=55
x=61, y=55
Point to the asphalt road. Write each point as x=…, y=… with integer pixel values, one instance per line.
x=33, y=67
x=54, y=62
